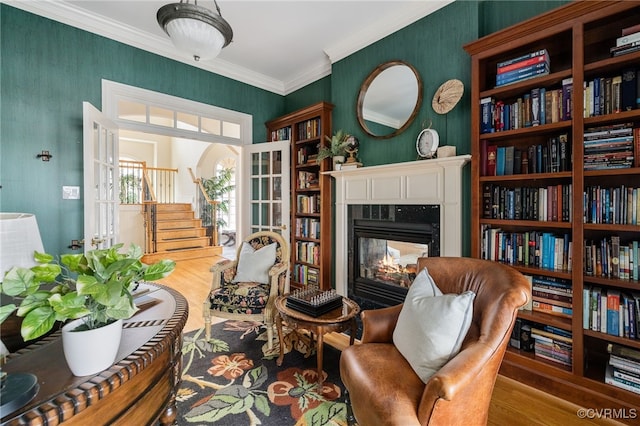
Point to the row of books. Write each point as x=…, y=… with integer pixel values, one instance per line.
x=539, y=249
x=308, y=252
x=611, y=95
x=611, y=311
x=308, y=203
x=609, y=147
x=539, y=106
x=612, y=205
x=307, y=227
x=551, y=157
x=283, y=134
x=611, y=258
x=308, y=129
x=623, y=369
x=523, y=67
x=307, y=180
x=550, y=204
x=305, y=274
x=547, y=342
x=552, y=295
x=307, y=154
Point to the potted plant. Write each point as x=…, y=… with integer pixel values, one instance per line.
x=218, y=188
x=336, y=149
x=89, y=292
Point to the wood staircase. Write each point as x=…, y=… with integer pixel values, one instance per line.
x=180, y=235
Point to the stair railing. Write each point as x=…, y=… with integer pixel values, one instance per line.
x=149, y=212
x=205, y=209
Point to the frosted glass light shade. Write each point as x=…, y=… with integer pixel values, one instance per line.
x=194, y=29
x=198, y=38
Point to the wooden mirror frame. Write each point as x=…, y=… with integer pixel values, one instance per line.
x=363, y=91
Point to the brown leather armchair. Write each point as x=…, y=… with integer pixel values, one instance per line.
x=383, y=388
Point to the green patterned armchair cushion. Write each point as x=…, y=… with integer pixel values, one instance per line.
x=240, y=298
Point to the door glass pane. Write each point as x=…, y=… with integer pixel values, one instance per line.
x=264, y=187
x=277, y=188
x=255, y=164
x=277, y=214
x=255, y=214
x=266, y=218
x=277, y=162
x=255, y=188
x=264, y=164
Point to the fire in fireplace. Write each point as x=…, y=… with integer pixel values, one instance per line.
x=385, y=242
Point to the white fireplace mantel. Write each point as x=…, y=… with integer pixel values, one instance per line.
x=435, y=182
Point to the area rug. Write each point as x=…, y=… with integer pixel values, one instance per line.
x=234, y=380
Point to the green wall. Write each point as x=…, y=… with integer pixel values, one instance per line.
x=48, y=69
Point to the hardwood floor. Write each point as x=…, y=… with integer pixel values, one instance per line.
x=512, y=404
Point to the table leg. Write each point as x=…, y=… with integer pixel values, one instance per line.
x=280, y=338
x=319, y=352
x=354, y=330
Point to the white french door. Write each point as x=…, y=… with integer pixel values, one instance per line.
x=266, y=188
x=101, y=177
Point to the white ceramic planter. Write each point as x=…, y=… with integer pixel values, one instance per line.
x=91, y=351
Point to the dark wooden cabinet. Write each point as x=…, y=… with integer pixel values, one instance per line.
x=311, y=240
x=578, y=38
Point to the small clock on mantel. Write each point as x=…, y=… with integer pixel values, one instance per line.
x=427, y=143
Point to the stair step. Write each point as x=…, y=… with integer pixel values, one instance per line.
x=173, y=207
x=171, y=215
x=183, y=254
x=183, y=243
x=172, y=234
x=178, y=224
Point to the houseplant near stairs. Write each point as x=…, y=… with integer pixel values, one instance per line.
x=95, y=288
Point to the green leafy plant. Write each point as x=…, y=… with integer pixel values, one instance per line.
x=96, y=286
x=218, y=187
x=337, y=146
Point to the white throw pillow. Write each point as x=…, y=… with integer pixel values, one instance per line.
x=432, y=326
x=254, y=265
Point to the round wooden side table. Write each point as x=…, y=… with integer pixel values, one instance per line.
x=338, y=320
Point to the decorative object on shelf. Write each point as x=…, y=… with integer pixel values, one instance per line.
x=389, y=99
x=337, y=148
x=44, y=156
x=100, y=294
x=313, y=301
x=195, y=29
x=446, y=151
x=352, y=149
x=447, y=96
x=427, y=142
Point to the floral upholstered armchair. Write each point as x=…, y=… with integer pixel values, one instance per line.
x=246, y=288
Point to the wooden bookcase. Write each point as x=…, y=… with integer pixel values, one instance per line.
x=310, y=193
x=578, y=38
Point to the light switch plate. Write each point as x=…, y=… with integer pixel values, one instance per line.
x=70, y=192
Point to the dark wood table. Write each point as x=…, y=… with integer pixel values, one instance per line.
x=139, y=389
x=338, y=320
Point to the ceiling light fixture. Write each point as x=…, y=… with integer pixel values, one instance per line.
x=195, y=29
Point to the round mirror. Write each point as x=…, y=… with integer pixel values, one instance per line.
x=389, y=99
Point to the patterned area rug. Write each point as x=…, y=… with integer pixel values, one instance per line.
x=233, y=380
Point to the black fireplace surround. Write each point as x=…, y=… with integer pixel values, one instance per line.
x=383, y=243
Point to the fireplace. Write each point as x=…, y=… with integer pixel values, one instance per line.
x=384, y=244
x=432, y=185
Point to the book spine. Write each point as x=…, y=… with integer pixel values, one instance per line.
x=523, y=58
x=523, y=70
x=521, y=77
x=486, y=115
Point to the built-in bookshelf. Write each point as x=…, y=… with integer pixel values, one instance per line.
x=310, y=193
x=555, y=180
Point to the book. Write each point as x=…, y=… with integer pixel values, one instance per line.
x=620, y=383
x=522, y=73
x=509, y=160
x=630, y=30
x=629, y=38
x=491, y=160
x=567, y=91
x=628, y=89
x=500, y=160
x=521, y=58
x=486, y=115
x=624, y=352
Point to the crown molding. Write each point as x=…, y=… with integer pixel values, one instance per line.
x=382, y=28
